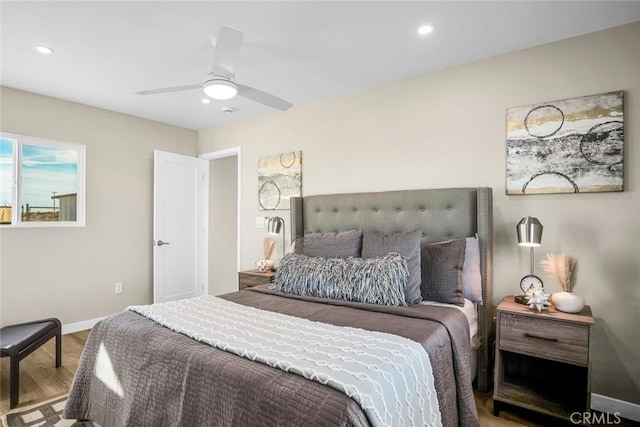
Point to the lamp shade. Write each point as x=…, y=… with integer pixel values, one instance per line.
x=529, y=231
x=275, y=225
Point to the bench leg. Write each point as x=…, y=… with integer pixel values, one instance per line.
x=58, y=348
x=14, y=380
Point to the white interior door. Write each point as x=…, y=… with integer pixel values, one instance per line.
x=179, y=226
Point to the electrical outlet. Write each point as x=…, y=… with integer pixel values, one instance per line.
x=119, y=287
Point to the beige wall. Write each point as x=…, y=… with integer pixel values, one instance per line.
x=447, y=129
x=223, y=225
x=70, y=273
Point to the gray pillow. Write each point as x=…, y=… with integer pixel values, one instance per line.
x=441, y=265
x=374, y=280
x=342, y=244
x=406, y=244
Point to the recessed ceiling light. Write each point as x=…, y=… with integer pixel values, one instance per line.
x=425, y=29
x=44, y=50
x=205, y=100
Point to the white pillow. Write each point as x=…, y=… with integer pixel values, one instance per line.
x=471, y=278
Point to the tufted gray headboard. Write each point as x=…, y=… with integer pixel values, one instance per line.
x=441, y=213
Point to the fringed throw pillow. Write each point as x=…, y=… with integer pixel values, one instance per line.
x=380, y=280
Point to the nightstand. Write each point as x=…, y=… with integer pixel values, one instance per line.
x=542, y=360
x=249, y=278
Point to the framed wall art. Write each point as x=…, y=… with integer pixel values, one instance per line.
x=570, y=146
x=279, y=178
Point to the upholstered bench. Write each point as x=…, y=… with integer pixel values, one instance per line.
x=20, y=340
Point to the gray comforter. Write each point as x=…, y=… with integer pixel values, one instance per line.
x=162, y=378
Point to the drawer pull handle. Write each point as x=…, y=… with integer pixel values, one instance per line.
x=528, y=335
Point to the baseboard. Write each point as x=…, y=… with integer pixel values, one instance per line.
x=80, y=326
x=628, y=410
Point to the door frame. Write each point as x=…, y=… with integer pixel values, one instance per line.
x=220, y=154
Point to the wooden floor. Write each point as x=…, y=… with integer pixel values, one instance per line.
x=40, y=381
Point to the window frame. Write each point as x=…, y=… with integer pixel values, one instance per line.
x=16, y=180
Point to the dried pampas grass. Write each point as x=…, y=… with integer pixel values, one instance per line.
x=562, y=269
x=269, y=244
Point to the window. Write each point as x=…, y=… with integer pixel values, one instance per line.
x=41, y=182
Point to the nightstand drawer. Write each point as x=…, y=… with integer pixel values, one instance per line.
x=250, y=278
x=546, y=338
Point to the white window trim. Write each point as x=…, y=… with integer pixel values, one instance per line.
x=16, y=220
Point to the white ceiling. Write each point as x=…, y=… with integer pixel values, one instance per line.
x=299, y=51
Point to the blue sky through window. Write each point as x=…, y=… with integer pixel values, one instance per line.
x=45, y=171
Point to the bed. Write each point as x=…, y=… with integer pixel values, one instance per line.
x=135, y=371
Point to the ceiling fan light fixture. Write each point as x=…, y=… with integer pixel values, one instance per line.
x=45, y=50
x=220, y=88
x=423, y=30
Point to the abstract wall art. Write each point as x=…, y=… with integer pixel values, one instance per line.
x=279, y=178
x=571, y=146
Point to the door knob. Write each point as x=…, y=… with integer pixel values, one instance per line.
x=160, y=243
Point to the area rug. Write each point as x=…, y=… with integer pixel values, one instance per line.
x=45, y=414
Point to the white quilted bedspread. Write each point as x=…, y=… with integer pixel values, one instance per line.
x=389, y=376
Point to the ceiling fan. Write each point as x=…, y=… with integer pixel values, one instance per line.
x=220, y=82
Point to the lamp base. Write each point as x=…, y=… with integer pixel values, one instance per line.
x=522, y=299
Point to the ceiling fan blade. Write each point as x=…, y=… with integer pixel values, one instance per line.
x=227, y=52
x=263, y=98
x=169, y=89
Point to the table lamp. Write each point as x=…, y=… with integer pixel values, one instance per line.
x=529, y=234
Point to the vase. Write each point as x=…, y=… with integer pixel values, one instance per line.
x=567, y=302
